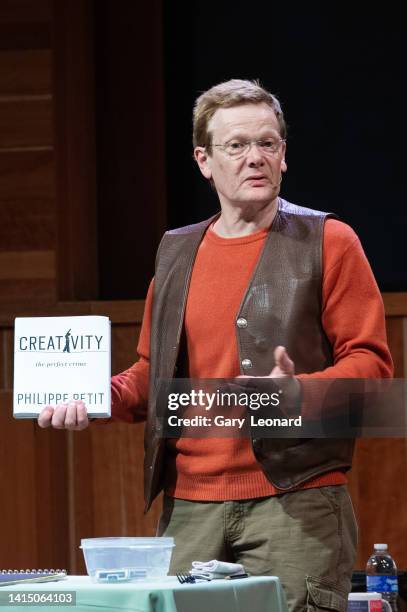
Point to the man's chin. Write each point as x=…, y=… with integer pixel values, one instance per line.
x=261, y=194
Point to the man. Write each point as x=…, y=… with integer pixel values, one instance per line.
x=265, y=288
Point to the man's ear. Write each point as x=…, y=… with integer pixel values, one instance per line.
x=283, y=165
x=203, y=160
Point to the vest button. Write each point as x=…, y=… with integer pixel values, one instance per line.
x=241, y=322
x=246, y=363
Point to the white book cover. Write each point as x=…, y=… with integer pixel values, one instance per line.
x=59, y=359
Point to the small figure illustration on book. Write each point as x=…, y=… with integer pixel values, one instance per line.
x=67, y=337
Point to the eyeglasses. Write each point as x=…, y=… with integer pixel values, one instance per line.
x=238, y=148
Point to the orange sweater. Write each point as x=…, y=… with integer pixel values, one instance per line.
x=353, y=318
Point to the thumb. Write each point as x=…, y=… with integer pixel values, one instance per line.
x=283, y=361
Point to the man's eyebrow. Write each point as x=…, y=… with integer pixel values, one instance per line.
x=262, y=133
x=241, y=136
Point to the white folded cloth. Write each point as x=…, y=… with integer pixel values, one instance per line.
x=211, y=570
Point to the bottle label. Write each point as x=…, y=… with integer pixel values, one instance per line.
x=382, y=584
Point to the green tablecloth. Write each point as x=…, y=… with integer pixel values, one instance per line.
x=256, y=594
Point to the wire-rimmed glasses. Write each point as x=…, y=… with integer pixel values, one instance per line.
x=239, y=148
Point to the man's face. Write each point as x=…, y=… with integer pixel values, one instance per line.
x=253, y=178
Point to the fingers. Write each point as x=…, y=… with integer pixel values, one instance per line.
x=284, y=365
x=82, y=420
x=283, y=361
x=72, y=416
x=45, y=416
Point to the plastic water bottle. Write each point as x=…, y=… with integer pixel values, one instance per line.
x=381, y=575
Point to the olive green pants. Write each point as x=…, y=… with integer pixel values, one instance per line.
x=307, y=538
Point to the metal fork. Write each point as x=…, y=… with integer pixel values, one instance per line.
x=186, y=578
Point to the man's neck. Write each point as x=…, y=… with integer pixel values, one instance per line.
x=235, y=222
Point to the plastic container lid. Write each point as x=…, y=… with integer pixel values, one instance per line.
x=157, y=542
x=364, y=596
x=380, y=546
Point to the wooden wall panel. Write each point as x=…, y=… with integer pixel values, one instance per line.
x=26, y=226
x=378, y=480
x=27, y=201
x=28, y=176
x=26, y=122
x=18, y=494
x=395, y=304
x=27, y=264
x=25, y=72
x=25, y=36
x=34, y=521
x=52, y=502
x=29, y=290
x=125, y=339
x=378, y=487
x=27, y=275
x=6, y=359
x=82, y=507
x=25, y=25
x=27, y=181
x=73, y=78
x=25, y=11
x=395, y=337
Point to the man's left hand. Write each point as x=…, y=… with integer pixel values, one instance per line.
x=289, y=385
x=284, y=366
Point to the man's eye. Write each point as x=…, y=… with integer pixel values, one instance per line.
x=235, y=146
x=267, y=144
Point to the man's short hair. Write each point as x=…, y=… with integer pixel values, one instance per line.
x=225, y=95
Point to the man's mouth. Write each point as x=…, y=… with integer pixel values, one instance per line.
x=256, y=178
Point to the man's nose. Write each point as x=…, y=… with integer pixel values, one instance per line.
x=254, y=156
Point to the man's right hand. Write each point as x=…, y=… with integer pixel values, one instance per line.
x=71, y=416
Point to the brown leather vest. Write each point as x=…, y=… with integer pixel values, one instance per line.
x=282, y=306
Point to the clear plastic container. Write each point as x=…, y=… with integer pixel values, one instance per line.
x=127, y=559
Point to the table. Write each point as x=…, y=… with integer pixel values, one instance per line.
x=255, y=594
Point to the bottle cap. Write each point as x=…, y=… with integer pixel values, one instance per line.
x=380, y=546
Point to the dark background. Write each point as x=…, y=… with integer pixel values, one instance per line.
x=338, y=73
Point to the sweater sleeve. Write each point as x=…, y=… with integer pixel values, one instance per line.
x=352, y=309
x=130, y=388
x=352, y=317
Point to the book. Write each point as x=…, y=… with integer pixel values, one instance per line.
x=60, y=359
x=10, y=577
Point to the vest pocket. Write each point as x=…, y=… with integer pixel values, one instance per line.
x=324, y=595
